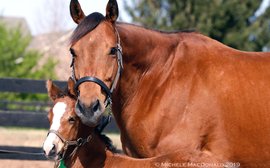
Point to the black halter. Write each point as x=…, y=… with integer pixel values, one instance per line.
x=95, y=80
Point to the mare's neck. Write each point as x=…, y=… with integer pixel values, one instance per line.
x=142, y=47
x=143, y=51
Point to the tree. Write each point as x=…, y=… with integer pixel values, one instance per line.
x=260, y=31
x=18, y=61
x=223, y=20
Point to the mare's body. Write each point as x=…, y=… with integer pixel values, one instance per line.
x=187, y=91
x=179, y=93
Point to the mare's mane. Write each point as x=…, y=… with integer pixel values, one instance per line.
x=159, y=31
x=91, y=21
x=88, y=24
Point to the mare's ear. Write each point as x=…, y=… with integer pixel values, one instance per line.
x=71, y=85
x=76, y=11
x=54, y=91
x=112, y=11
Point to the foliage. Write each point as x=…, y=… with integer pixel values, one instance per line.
x=17, y=60
x=223, y=20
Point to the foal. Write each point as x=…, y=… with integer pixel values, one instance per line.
x=79, y=145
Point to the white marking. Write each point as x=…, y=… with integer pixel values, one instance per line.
x=59, y=110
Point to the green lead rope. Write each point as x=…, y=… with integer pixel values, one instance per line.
x=62, y=164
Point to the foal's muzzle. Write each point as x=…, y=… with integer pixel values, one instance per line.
x=52, y=154
x=52, y=146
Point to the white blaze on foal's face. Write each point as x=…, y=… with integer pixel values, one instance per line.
x=52, y=140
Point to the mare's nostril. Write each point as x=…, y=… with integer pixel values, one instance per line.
x=95, y=106
x=88, y=110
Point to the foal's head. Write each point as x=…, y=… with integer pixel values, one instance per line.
x=96, y=52
x=65, y=125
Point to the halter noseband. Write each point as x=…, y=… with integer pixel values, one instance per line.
x=67, y=143
x=93, y=79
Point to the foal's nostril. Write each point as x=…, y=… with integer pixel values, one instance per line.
x=52, y=151
x=95, y=106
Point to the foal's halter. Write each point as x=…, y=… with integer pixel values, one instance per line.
x=67, y=143
x=93, y=79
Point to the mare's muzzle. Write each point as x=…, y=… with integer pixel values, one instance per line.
x=91, y=115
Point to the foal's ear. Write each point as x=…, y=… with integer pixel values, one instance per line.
x=76, y=11
x=71, y=85
x=112, y=11
x=54, y=91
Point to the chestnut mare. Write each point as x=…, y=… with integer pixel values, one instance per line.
x=78, y=144
x=180, y=93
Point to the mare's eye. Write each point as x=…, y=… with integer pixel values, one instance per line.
x=71, y=120
x=113, y=51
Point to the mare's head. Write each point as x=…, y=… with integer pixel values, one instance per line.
x=65, y=125
x=97, y=62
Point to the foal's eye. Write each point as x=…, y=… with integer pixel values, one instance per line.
x=113, y=51
x=71, y=120
x=72, y=52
